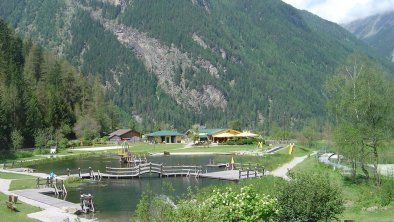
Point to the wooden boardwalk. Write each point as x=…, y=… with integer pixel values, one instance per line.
x=234, y=175
x=39, y=195
x=169, y=171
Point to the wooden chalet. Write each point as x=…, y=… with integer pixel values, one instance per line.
x=129, y=135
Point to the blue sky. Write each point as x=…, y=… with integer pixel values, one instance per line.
x=342, y=11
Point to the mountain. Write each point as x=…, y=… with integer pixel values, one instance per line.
x=175, y=63
x=377, y=31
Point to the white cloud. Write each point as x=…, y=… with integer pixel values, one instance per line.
x=341, y=11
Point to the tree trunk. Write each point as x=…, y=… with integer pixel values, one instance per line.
x=354, y=167
x=375, y=163
x=362, y=161
x=365, y=171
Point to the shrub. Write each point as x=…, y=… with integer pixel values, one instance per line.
x=241, y=141
x=73, y=143
x=221, y=205
x=51, y=143
x=63, y=143
x=387, y=191
x=23, y=154
x=104, y=139
x=41, y=151
x=309, y=197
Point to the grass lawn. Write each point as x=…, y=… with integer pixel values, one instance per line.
x=298, y=151
x=11, y=176
x=227, y=148
x=155, y=148
x=271, y=161
x=21, y=184
x=11, y=216
x=19, y=181
x=358, y=195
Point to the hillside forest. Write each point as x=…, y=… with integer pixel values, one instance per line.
x=43, y=98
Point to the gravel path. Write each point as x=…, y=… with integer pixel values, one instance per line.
x=284, y=169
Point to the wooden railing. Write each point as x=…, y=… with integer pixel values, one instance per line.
x=161, y=169
x=57, y=184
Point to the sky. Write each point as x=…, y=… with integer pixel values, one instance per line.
x=343, y=11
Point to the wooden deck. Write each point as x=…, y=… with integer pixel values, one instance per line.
x=232, y=175
x=39, y=195
x=169, y=171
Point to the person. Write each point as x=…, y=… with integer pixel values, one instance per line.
x=52, y=175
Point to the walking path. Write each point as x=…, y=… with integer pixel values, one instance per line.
x=284, y=169
x=276, y=149
x=101, y=148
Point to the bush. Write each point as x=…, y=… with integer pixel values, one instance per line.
x=309, y=197
x=23, y=154
x=221, y=205
x=241, y=141
x=73, y=143
x=41, y=151
x=63, y=143
x=387, y=191
x=89, y=135
x=104, y=139
x=51, y=143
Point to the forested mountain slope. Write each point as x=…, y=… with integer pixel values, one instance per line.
x=43, y=98
x=377, y=31
x=181, y=62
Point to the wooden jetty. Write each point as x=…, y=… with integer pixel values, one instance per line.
x=170, y=171
x=55, y=183
x=234, y=175
x=40, y=195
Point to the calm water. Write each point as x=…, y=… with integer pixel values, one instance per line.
x=116, y=200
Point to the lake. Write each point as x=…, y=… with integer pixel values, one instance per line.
x=116, y=200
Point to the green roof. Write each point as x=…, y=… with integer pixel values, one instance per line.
x=164, y=133
x=210, y=131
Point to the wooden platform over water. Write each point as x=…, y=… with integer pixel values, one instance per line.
x=151, y=169
x=231, y=175
x=40, y=196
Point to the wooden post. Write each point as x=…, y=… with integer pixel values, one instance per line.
x=90, y=172
x=239, y=177
x=255, y=173
x=79, y=172
x=68, y=172
x=247, y=174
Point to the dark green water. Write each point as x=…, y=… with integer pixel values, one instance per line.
x=116, y=200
